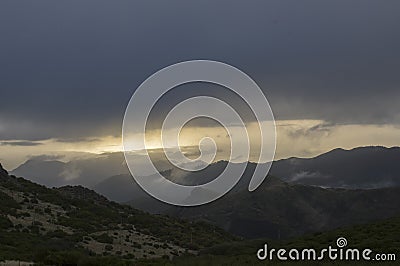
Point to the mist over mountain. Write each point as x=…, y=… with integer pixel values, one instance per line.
x=360, y=168
x=364, y=167
x=335, y=189
x=86, y=171
x=73, y=223
x=89, y=171
x=286, y=206
x=363, y=185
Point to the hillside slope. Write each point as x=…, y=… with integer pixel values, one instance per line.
x=381, y=237
x=44, y=225
x=281, y=210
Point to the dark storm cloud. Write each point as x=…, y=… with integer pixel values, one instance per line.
x=68, y=68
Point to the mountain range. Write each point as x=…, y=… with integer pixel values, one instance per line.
x=300, y=195
x=279, y=210
x=73, y=225
x=363, y=167
x=86, y=171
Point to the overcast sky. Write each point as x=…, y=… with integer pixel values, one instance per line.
x=68, y=68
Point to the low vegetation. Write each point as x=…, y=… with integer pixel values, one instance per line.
x=381, y=237
x=76, y=226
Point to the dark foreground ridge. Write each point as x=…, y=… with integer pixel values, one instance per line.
x=74, y=224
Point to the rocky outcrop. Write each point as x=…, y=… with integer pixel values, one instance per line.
x=3, y=172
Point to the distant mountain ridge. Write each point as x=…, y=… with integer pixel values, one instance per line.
x=359, y=168
x=282, y=210
x=373, y=168
x=364, y=167
x=85, y=171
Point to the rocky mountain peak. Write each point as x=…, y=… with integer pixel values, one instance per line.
x=3, y=172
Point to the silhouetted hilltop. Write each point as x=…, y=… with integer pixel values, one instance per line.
x=364, y=167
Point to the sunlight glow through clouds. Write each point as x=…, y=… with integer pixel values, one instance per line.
x=299, y=138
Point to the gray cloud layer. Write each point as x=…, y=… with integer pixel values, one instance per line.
x=20, y=143
x=68, y=68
